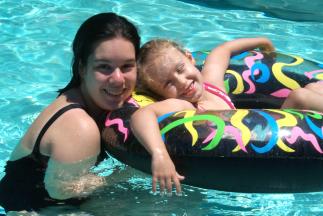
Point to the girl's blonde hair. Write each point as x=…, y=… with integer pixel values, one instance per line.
x=146, y=62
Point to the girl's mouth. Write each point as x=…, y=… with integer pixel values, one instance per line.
x=190, y=90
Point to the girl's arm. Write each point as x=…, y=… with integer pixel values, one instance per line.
x=145, y=127
x=218, y=60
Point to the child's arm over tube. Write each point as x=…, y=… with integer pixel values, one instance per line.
x=218, y=60
x=145, y=127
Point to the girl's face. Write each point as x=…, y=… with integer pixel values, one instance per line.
x=174, y=75
x=109, y=76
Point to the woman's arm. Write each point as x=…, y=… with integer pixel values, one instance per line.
x=75, y=144
x=71, y=180
x=145, y=127
x=218, y=60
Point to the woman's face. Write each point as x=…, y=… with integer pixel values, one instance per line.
x=109, y=76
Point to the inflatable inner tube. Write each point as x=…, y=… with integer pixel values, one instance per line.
x=256, y=148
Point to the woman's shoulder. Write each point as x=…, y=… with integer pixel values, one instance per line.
x=81, y=122
x=73, y=130
x=73, y=117
x=71, y=110
x=61, y=124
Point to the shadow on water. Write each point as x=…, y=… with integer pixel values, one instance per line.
x=133, y=197
x=293, y=10
x=130, y=195
x=128, y=192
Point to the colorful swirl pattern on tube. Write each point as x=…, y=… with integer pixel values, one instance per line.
x=255, y=148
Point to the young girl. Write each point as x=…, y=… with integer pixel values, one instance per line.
x=169, y=72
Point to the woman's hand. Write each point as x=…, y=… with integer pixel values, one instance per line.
x=164, y=172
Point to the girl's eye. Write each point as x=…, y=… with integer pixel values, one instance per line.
x=168, y=84
x=180, y=68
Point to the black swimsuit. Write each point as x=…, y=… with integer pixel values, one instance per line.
x=22, y=188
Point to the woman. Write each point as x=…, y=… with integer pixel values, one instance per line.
x=51, y=163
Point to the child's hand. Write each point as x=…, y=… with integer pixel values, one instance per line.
x=267, y=45
x=163, y=170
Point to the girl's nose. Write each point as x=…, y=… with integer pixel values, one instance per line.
x=181, y=81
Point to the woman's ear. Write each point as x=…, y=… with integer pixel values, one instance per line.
x=189, y=55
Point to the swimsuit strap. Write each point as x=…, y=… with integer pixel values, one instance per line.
x=50, y=122
x=220, y=93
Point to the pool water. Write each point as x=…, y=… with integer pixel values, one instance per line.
x=35, y=56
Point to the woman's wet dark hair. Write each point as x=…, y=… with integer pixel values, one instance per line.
x=98, y=28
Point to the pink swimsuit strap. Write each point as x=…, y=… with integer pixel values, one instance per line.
x=219, y=93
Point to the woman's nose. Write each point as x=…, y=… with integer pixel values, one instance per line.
x=116, y=76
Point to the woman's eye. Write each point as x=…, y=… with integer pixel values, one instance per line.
x=105, y=68
x=127, y=67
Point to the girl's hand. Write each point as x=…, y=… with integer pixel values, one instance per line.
x=266, y=45
x=164, y=172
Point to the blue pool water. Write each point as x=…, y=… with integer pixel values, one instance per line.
x=35, y=56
